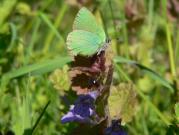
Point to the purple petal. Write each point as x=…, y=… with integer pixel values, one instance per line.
x=78, y=118
x=94, y=94
x=119, y=133
x=115, y=133
x=71, y=107
x=123, y=133
x=108, y=130
x=84, y=98
x=68, y=117
x=91, y=111
x=82, y=109
x=115, y=129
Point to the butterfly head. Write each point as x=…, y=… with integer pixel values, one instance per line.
x=105, y=45
x=108, y=40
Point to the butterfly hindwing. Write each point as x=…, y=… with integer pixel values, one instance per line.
x=83, y=42
x=87, y=22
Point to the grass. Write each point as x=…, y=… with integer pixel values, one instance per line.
x=32, y=47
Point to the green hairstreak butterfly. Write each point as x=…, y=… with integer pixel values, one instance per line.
x=87, y=37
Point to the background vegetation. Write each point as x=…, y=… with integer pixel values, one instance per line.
x=145, y=42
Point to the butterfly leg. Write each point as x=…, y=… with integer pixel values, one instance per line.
x=103, y=48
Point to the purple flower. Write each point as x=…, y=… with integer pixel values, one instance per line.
x=83, y=110
x=115, y=129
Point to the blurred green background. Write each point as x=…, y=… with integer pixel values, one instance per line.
x=34, y=57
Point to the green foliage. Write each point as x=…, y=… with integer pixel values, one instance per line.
x=60, y=79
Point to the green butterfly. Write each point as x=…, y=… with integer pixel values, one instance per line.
x=87, y=37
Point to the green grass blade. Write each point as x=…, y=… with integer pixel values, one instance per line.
x=177, y=47
x=39, y=68
x=26, y=106
x=155, y=76
x=13, y=37
x=39, y=118
x=177, y=111
x=34, y=35
x=146, y=70
x=150, y=13
x=33, y=40
x=171, y=52
x=51, y=26
x=120, y=59
x=57, y=23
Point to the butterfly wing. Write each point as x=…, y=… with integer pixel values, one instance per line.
x=83, y=42
x=86, y=21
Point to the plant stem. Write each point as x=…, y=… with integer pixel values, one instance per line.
x=114, y=25
x=171, y=53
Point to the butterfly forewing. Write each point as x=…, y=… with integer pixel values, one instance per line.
x=83, y=42
x=87, y=22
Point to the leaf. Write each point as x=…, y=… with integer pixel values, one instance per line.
x=123, y=102
x=6, y=8
x=38, y=68
x=60, y=78
x=24, y=9
x=154, y=75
